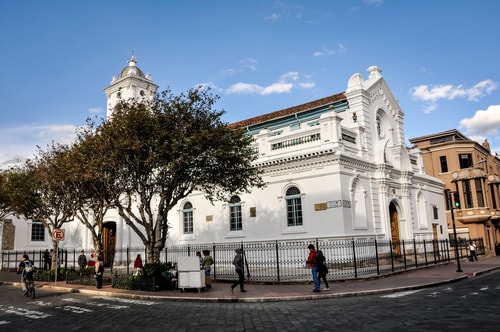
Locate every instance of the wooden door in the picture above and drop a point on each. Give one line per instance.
(393, 213)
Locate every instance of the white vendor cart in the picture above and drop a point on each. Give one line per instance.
(189, 273)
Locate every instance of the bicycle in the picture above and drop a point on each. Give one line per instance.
(30, 286)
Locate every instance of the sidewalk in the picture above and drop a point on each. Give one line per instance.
(257, 292)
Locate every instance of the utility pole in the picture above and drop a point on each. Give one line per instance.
(452, 206)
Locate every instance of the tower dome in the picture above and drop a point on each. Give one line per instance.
(131, 69)
(130, 84)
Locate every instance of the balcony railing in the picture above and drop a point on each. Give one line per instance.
(295, 141)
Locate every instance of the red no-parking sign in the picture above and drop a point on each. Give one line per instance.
(58, 234)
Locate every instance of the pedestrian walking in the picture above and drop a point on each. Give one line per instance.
(206, 264)
(99, 271)
(26, 268)
(238, 265)
(46, 260)
(138, 264)
(82, 260)
(322, 272)
(311, 263)
(472, 249)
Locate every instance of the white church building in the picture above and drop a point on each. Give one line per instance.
(337, 167)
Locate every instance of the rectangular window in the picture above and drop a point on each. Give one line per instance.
(444, 164)
(469, 204)
(479, 192)
(188, 221)
(235, 222)
(37, 232)
(294, 211)
(493, 196)
(465, 160)
(435, 212)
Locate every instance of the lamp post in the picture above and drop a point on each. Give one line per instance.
(451, 205)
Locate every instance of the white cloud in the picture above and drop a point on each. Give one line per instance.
(20, 143)
(96, 110)
(208, 85)
(228, 72)
(430, 107)
(249, 64)
(373, 2)
(483, 122)
(244, 88)
(326, 52)
(277, 88)
(245, 64)
(272, 17)
(285, 84)
(450, 92)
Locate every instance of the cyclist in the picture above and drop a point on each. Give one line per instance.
(25, 275)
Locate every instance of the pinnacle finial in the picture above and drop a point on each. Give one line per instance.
(133, 59)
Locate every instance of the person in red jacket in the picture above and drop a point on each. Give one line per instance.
(314, 269)
(138, 264)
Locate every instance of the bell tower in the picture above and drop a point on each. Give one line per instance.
(131, 83)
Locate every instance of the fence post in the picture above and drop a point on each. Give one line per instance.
(404, 254)
(392, 255)
(355, 260)
(425, 253)
(277, 261)
(415, 252)
(127, 260)
(376, 255)
(214, 260)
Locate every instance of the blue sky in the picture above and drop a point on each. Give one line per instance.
(440, 59)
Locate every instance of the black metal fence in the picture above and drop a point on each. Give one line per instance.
(282, 261)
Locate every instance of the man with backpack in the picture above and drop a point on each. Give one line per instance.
(26, 269)
(311, 263)
(322, 269)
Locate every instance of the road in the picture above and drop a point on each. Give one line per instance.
(469, 304)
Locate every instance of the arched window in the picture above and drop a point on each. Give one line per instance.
(293, 207)
(187, 218)
(358, 208)
(235, 222)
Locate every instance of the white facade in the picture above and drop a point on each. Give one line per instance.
(342, 160)
(347, 157)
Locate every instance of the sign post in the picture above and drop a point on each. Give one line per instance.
(57, 235)
(457, 255)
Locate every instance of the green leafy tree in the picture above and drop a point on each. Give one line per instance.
(5, 209)
(38, 191)
(91, 181)
(159, 152)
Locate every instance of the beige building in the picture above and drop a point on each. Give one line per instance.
(472, 183)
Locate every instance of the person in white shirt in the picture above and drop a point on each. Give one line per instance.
(472, 249)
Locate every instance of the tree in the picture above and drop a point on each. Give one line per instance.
(5, 209)
(38, 191)
(158, 152)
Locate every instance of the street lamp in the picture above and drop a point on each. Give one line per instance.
(452, 206)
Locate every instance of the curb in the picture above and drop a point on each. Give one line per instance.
(250, 299)
(231, 299)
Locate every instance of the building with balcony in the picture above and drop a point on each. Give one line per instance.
(472, 177)
(337, 167)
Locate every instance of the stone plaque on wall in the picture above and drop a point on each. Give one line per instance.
(8, 235)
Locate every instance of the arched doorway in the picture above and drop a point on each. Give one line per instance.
(393, 215)
(109, 243)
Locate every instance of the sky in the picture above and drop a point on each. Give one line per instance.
(439, 58)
